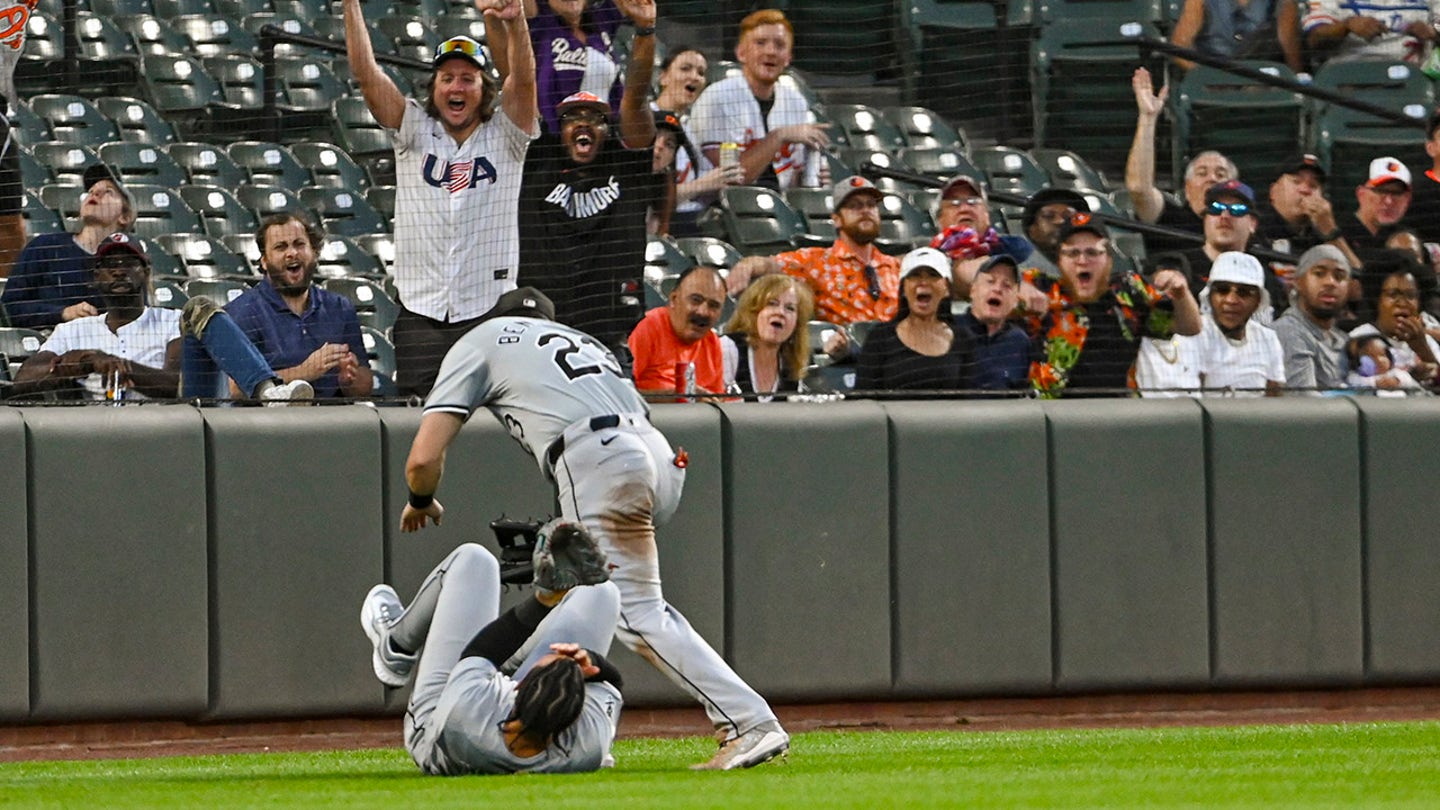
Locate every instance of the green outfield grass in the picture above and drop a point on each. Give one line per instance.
(1380, 764)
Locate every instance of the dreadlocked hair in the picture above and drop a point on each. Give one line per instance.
(550, 698)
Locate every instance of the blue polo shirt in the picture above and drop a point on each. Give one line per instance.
(286, 339)
(1002, 361)
(51, 274)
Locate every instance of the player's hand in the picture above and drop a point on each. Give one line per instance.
(1147, 100)
(579, 655)
(413, 520)
(84, 309)
(500, 9)
(639, 12)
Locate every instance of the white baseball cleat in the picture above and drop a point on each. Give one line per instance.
(380, 610)
(760, 744)
(295, 392)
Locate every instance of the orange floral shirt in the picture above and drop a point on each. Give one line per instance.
(837, 277)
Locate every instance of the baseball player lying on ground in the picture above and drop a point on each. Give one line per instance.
(561, 394)
(529, 690)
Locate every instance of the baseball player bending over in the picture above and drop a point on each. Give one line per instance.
(562, 395)
(527, 691)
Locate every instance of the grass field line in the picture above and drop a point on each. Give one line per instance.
(1327, 765)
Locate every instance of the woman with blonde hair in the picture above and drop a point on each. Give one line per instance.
(766, 344)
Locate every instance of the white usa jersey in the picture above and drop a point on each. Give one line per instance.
(457, 243)
(727, 112)
(536, 376)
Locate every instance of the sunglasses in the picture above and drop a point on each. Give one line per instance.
(461, 45)
(1224, 288)
(1217, 208)
(872, 278)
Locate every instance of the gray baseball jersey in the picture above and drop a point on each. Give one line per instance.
(483, 698)
(538, 377)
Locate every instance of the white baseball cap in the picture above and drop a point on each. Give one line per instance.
(925, 257)
(1387, 169)
(1237, 268)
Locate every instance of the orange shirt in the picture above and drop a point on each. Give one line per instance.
(837, 277)
(657, 349)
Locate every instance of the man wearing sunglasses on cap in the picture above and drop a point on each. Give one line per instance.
(458, 168)
(1230, 223)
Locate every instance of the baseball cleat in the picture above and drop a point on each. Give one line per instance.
(566, 556)
(380, 610)
(759, 744)
(295, 392)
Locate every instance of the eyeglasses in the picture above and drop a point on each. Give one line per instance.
(1400, 295)
(1224, 288)
(873, 279)
(1088, 253)
(1217, 208)
(957, 202)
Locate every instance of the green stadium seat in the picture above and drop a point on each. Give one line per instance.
(329, 165)
(38, 218)
(74, 119)
(965, 60)
(758, 221)
(159, 209)
(108, 56)
(343, 256)
(264, 199)
(269, 163)
(67, 161)
(343, 211)
(142, 163)
(372, 303)
(380, 246)
(40, 69)
(709, 250)
(815, 205)
(845, 37)
(137, 120)
(208, 164)
(903, 227)
(27, 127)
(238, 9)
(182, 90)
(115, 8)
(1009, 170)
(1067, 169)
(242, 80)
(865, 127)
(205, 256)
(33, 173)
(220, 211)
(925, 129)
(939, 163)
(169, 9)
(664, 258)
(382, 198)
(153, 35)
(63, 199)
(220, 290)
(167, 293)
(1255, 125)
(381, 353)
(216, 34)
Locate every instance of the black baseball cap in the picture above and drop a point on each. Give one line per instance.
(665, 119)
(1050, 196)
(1084, 221)
(96, 172)
(524, 298)
(1304, 162)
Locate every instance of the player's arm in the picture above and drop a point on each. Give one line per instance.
(384, 99)
(425, 466)
(637, 124)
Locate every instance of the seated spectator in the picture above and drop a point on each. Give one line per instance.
(1003, 352)
(1399, 324)
(669, 143)
(302, 331)
(766, 345)
(852, 280)
(1151, 205)
(51, 281)
(1300, 216)
(1236, 352)
(213, 345)
(1314, 348)
(131, 351)
(780, 144)
(918, 350)
(1383, 199)
(697, 181)
(1372, 368)
(968, 238)
(1089, 336)
(1046, 213)
(1341, 31)
(1230, 220)
(682, 333)
(1237, 29)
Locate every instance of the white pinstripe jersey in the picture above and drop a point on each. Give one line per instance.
(727, 112)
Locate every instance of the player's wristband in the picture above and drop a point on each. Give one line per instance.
(420, 501)
(648, 31)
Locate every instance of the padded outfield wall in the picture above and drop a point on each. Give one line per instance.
(161, 561)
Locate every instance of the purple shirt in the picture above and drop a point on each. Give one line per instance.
(561, 60)
(286, 339)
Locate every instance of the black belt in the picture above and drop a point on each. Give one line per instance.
(557, 447)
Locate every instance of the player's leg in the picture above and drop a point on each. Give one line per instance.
(618, 507)
(455, 601)
(586, 616)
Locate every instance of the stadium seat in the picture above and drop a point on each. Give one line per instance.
(864, 127)
(263, 200)
(221, 290)
(307, 86)
(380, 246)
(221, 213)
(243, 244)
(19, 344)
(182, 90)
(159, 209)
(758, 221)
(1255, 125)
(854, 161)
(342, 256)
(1080, 83)
(238, 9)
(33, 173)
(39, 218)
(142, 163)
(290, 24)
(845, 37)
(382, 198)
(40, 69)
(307, 10)
(169, 9)
(27, 127)
(709, 250)
(167, 293)
(1009, 170)
(903, 227)
(381, 353)
(664, 258)
(115, 8)
(1347, 139)
(66, 161)
(455, 26)
(242, 80)
(357, 132)
(412, 36)
(343, 211)
(269, 163)
(926, 129)
(137, 121)
(108, 58)
(1068, 170)
(204, 256)
(208, 164)
(216, 34)
(965, 60)
(374, 306)
(939, 163)
(153, 35)
(815, 204)
(63, 199)
(74, 119)
(329, 165)
(1150, 11)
